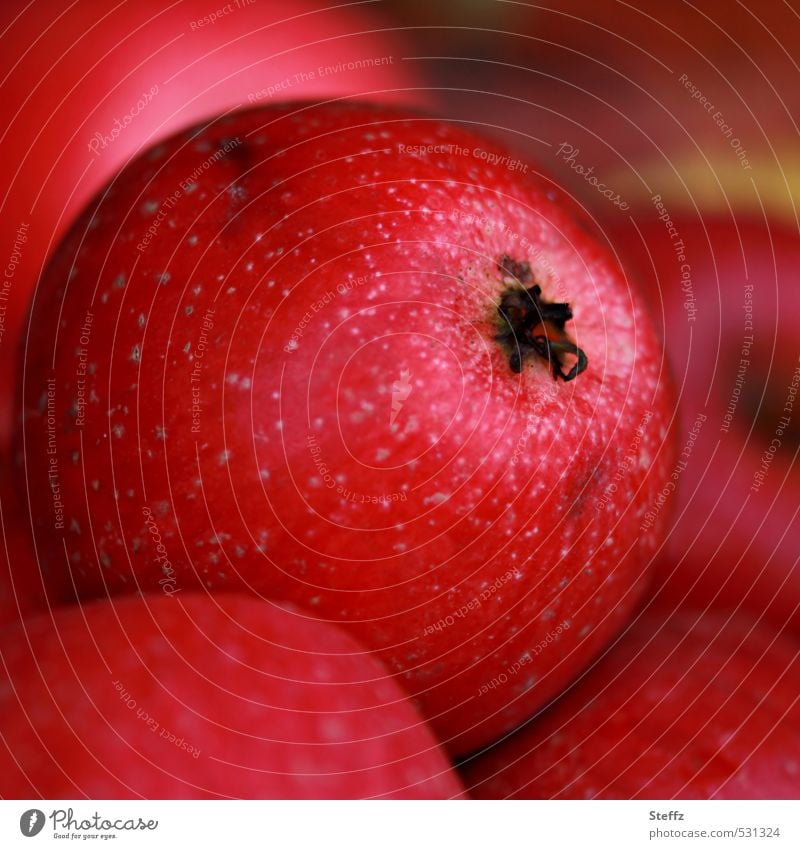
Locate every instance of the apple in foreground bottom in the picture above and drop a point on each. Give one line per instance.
(687, 707)
(194, 697)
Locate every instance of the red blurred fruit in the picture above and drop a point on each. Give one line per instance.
(689, 708)
(634, 36)
(291, 371)
(16, 595)
(86, 87)
(635, 138)
(691, 99)
(193, 697)
(21, 587)
(727, 294)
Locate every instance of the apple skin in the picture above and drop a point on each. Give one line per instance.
(70, 73)
(262, 702)
(689, 707)
(733, 538)
(320, 263)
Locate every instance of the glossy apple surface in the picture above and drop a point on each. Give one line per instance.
(194, 697)
(688, 708)
(273, 344)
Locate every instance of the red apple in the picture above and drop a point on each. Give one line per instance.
(727, 297)
(303, 348)
(687, 708)
(88, 85)
(194, 697)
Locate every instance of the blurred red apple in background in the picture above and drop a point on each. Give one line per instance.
(306, 347)
(634, 138)
(635, 35)
(727, 294)
(692, 98)
(689, 708)
(193, 697)
(87, 86)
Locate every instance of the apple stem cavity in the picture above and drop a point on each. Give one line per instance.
(532, 324)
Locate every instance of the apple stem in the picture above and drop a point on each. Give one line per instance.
(532, 324)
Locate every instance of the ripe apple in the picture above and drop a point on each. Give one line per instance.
(726, 294)
(691, 707)
(199, 697)
(87, 86)
(358, 360)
